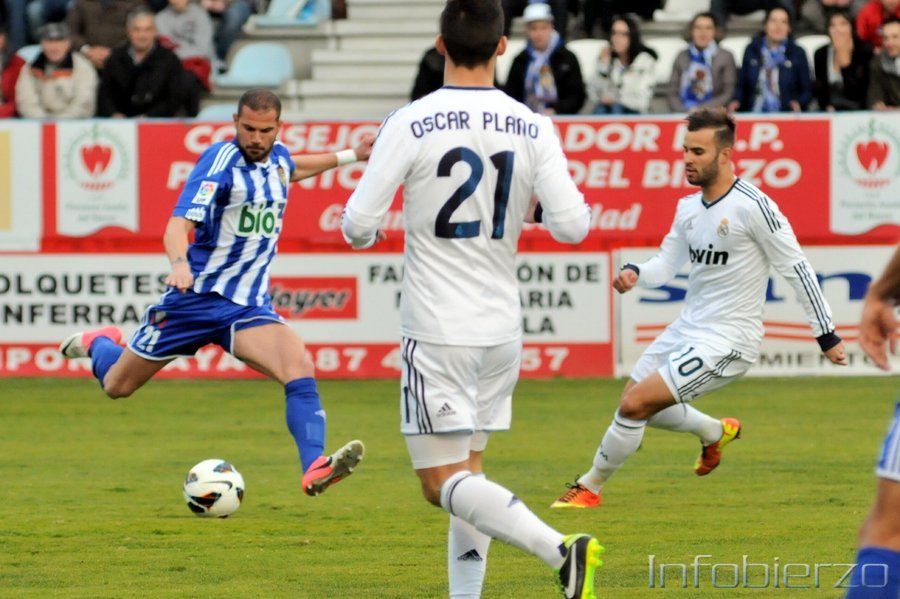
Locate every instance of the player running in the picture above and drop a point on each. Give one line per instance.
(469, 158)
(731, 233)
(234, 203)
(877, 572)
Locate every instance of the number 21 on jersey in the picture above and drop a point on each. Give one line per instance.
(503, 162)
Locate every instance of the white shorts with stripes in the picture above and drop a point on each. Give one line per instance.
(690, 368)
(889, 463)
(451, 388)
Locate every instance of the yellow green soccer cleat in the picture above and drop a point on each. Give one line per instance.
(576, 577)
(577, 497)
(710, 455)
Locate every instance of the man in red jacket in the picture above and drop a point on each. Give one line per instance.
(10, 65)
(871, 18)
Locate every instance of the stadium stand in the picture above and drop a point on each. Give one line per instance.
(261, 64)
(294, 13)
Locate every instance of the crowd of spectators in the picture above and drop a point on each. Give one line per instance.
(114, 57)
(857, 69)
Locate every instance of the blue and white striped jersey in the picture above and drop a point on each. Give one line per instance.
(238, 208)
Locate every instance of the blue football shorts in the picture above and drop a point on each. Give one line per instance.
(889, 463)
(182, 323)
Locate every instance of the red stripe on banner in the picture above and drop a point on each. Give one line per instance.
(334, 361)
(48, 166)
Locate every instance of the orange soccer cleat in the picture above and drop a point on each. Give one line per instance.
(710, 455)
(578, 497)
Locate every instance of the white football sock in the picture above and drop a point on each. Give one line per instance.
(467, 551)
(622, 439)
(498, 513)
(687, 419)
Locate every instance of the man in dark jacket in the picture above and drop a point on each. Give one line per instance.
(545, 76)
(430, 76)
(884, 79)
(142, 78)
(98, 26)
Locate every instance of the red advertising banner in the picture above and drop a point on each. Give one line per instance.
(631, 172)
(333, 361)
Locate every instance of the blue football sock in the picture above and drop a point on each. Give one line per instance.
(104, 353)
(305, 419)
(877, 574)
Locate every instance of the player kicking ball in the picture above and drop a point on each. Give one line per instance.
(234, 203)
(731, 233)
(469, 158)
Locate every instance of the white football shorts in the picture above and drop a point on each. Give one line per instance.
(690, 368)
(451, 388)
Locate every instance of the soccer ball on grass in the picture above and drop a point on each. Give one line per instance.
(214, 488)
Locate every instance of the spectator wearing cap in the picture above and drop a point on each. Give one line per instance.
(514, 8)
(545, 75)
(704, 74)
(59, 83)
(97, 26)
(188, 30)
(10, 67)
(884, 70)
(142, 77)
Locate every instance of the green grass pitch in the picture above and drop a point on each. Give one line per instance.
(91, 502)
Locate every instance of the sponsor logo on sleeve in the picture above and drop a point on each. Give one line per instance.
(206, 193)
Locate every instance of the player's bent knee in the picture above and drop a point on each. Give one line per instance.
(631, 406)
(431, 490)
(116, 388)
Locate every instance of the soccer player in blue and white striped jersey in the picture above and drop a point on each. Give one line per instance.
(877, 572)
(234, 202)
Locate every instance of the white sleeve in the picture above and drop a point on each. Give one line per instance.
(673, 253)
(391, 157)
(775, 236)
(565, 214)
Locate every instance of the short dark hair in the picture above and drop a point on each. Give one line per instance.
(714, 118)
(137, 13)
(260, 99)
(718, 35)
(782, 8)
(471, 30)
(890, 21)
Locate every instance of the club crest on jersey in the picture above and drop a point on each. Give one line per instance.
(723, 228)
(708, 256)
(258, 221)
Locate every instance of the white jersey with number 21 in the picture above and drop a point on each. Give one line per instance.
(470, 160)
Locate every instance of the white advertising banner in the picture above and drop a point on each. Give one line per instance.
(345, 306)
(788, 348)
(96, 176)
(21, 195)
(865, 174)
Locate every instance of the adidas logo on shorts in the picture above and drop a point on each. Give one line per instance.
(445, 410)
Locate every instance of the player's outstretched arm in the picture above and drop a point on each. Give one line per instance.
(879, 324)
(310, 165)
(391, 157)
(662, 268)
(176, 240)
(775, 236)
